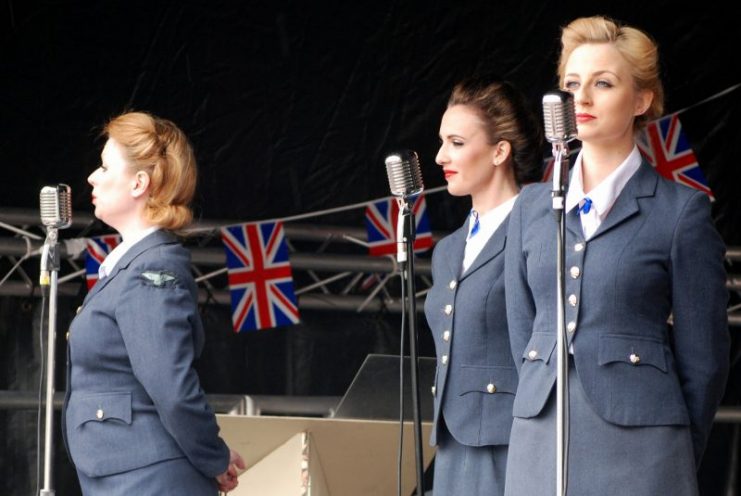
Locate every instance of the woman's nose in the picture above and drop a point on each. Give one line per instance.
(581, 95)
(441, 156)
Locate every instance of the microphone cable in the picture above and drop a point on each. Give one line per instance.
(42, 368)
(400, 456)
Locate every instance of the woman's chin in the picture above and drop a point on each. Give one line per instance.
(455, 191)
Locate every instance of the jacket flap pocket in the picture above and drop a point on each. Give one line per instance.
(483, 379)
(99, 407)
(633, 350)
(540, 347)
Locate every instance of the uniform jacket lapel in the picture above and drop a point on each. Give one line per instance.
(492, 248)
(641, 185)
(457, 247)
(156, 238)
(573, 223)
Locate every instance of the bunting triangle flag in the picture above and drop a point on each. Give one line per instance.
(260, 278)
(665, 146)
(381, 222)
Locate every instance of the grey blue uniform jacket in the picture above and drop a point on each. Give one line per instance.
(133, 397)
(656, 254)
(476, 378)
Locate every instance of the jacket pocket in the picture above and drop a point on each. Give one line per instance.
(488, 380)
(632, 350)
(99, 407)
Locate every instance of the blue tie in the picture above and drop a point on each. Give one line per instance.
(476, 225)
(587, 205)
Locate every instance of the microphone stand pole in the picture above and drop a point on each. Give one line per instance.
(560, 171)
(48, 279)
(409, 232)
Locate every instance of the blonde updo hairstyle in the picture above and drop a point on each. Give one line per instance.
(637, 47)
(159, 148)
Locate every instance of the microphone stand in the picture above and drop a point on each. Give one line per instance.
(560, 175)
(48, 278)
(407, 223)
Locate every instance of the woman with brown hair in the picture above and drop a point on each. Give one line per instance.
(489, 146)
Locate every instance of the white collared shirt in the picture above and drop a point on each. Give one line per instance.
(119, 251)
(604, 195)
(488, 223)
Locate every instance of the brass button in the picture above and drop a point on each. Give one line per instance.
(66, 336)
(634, 359)
(99, 414)
(448, 309)
(571, 326)
(453, 284)
(574, 271)
(491, 388)
(433, 389)
(578, 246)
(446, 336)
(532, 354)
(79, 309)
(444, 359)
(572, 300)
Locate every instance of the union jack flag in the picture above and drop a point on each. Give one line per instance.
(97, 249)
(381, 219)
(260, 279)
(665, 146)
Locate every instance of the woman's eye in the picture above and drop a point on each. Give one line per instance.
(570, 85)
(603, 84)
(457, 143)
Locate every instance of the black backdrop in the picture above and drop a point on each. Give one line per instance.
(291, 107)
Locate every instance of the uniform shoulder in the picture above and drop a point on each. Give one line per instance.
(678, 194)
(533, 190)
(168, 257)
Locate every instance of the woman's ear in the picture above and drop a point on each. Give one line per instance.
(140, 184)
(643, 101)
(501, 152)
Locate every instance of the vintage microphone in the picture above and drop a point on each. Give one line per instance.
(405, 181)
(56, 213)
(560, 128)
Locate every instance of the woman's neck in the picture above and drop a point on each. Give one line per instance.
(498, 192)
(133, 228)
(599, 162)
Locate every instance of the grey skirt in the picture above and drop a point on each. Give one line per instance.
(467, 470)
(604, 459)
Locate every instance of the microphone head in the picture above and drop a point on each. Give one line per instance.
(559, 116)
(405, 177)
(56, 206)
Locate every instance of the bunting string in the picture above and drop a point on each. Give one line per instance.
(257, 255)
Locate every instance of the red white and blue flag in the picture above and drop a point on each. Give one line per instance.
(665, 146)
(97, 249)
(548, 169)
(260, 279)
(381, 222)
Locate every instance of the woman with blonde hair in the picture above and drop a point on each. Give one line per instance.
(645, 309)
(135, 419)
